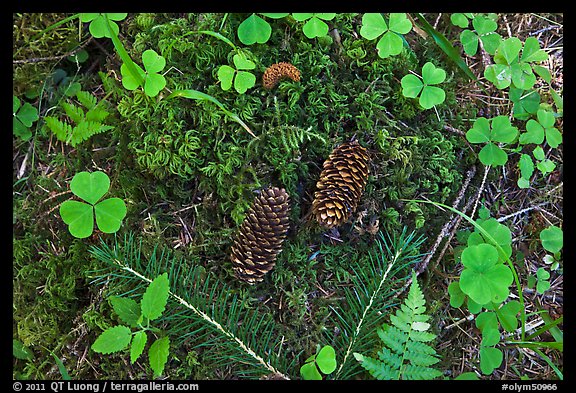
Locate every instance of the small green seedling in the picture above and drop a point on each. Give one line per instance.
(24, 116)
(512, 69)
(542, 283)
(315, 25)
(98, 27)
(243, 80)
(412, 86)
(79, 216)
(324, 359)
(543, 128)
(485, 31)
(254, 29)
(153, 82)
(496, 130)
(137, 318)
(544, 165)
(391, 42)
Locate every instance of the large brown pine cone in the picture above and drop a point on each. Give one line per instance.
(259, 240)
(342, 181)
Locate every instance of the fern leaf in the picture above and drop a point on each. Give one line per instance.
(60, 129)
(87, 99)
(406, 354)
(97, 114)
(376, 368)
(73, 112)
(371, 293)
(85, 129)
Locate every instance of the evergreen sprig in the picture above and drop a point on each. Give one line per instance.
(201, 312)
(370, 295)
(406, 353)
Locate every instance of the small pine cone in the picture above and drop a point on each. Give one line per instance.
(277, 71)
(342, 181)
(259, 240)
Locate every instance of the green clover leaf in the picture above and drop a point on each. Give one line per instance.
(153, 82)
(391, 42)
(490, 359)
(525, 103)
(456, 295)
(461, 19)
(79, 216)
(254, 29)
(98, 27)
(498, 129)
(536, 131)
(543, 284)
(484, 279)
(507, 315)
(511, 68)
(315, 25)
(24, 116)
(242, 80)
(90, 186)
(485, 31)
(552, 239)
(326, 359)
(429, 95)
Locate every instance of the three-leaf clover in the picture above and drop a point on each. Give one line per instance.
(391, 42)
(315, 25)
(324, 359)
(484, 279)
(412, 86)
(138, 315)
(254, 29)
(499, 130)
(511, 68)
(79, 216)
(24, 116)
(485, 31)
(98, 27)
(153, 82)
(243, 80)
(536, 131)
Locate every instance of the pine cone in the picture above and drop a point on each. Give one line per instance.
(259, 240)
(342, 181)
(277, 71)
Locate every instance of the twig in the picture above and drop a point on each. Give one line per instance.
(454, 130)
(522, 211)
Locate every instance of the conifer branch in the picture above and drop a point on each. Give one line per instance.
(207, 318)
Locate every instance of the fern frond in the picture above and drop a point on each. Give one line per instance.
(87, 99)
(201, 313)
(73, 112)
(60, 129)
(370, 295)
(405, 354)
(85, 129)
(97, 114)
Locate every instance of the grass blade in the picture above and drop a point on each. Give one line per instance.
(446, 46)
(198, 95)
